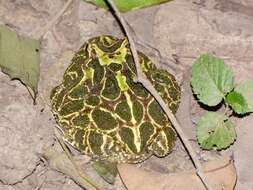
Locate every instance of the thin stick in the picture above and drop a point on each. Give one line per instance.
(44, 30)
(146, 83)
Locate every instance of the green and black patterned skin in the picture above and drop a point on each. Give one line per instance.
(107, 116)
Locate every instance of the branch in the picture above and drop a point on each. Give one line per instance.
(50, 24)
(147, 84)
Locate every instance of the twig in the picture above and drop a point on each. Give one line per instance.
(41, 184)
(146, 83)
(44, 30)
(184, 111)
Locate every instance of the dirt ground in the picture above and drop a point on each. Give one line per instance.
(185, 28)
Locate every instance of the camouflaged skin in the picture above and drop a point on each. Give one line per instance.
(104, 113)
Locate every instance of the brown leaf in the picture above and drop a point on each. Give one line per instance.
(220, 172)
(59, 161)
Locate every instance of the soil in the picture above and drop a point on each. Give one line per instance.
(182, 28)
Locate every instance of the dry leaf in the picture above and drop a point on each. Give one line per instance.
(19, 57)
(220, 172)
(59, 161)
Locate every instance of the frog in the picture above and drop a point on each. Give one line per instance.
(104, 113)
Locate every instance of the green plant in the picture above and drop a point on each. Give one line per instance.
(213, 84)
(127, 5)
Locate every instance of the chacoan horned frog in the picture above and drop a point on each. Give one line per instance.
(103, 113)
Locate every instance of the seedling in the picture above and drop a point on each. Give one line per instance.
(213, 84)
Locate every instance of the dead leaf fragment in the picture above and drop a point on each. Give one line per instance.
(19, 57)
(59, 161)
(219, 172)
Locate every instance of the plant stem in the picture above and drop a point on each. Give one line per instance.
(228, 111)
(147, 84)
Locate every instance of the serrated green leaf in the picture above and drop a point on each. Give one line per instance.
(211, 79)
(246, 90)
(237, 102)
(19, 57)
(127, 5)
(215, 131)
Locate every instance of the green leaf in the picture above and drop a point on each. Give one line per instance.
(237, 102)
(246, 90)
(19, 57)
(211, 79)
(127, 5)
(215, 131)
(107, 170)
